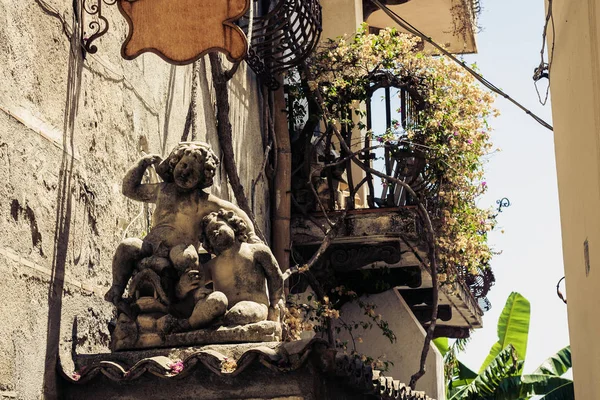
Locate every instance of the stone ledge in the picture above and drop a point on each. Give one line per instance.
(264, 331)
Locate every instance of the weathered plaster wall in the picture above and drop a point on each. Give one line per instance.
(62, 158)
(405, 353)
(575, 87)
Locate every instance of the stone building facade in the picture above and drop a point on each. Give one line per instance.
(70, 125)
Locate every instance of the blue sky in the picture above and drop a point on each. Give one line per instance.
(524, 171)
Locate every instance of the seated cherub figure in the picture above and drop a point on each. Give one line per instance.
(181, 204)
(247, 281)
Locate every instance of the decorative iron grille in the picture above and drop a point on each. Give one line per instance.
(480, 285)
(283, 38)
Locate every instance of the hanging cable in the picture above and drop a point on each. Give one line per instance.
(250, 23)
(411, 29)
(543, 70)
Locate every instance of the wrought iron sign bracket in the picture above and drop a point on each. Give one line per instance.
(98, 26)
(157, 26)
(279, 40)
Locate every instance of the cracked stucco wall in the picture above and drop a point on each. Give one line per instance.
(61, 210)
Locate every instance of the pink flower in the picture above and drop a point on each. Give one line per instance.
(484, 184)
(176, 367)
(469, 141)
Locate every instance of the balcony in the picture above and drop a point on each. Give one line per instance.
(381, 248)
(381, 244)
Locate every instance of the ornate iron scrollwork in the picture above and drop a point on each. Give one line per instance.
(258, 66)
(502, 203)
(283, 38)
(98, 26)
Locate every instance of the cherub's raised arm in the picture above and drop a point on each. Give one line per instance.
(132, 182)
(273, 274)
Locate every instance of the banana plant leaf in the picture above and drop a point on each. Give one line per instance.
(545, 380)
(506, 364)
(523, 387)
(556, 365)
(513, 328)
(564, 392)
(465, 373)
(463, 376)
(442, 345)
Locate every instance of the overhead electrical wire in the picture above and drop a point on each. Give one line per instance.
(543, 70)
(411, 29)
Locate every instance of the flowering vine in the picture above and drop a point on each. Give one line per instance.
(447, 128)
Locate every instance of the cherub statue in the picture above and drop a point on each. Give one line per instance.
(239, 273)
(181, 205)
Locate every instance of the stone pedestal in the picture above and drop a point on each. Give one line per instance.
(264, 331)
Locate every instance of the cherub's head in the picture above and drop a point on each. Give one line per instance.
(221, 229)
(190, 165)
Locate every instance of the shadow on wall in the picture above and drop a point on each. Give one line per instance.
(63, 217)
(17, 211)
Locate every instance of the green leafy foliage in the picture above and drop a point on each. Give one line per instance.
(556, 365)
(485, 385)
(442, 345)
(513, 328)
(501, 375)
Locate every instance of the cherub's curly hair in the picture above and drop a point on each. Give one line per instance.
(230, 218)
(201, 151)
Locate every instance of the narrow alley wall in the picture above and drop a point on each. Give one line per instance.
(69, 129)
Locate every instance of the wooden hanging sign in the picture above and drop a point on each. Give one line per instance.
(181, 31)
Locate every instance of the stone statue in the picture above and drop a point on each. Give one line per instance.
(238, 273)
(168, 293)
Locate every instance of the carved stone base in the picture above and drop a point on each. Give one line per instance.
(264, 331)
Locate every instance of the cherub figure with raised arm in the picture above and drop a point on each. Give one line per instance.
(181, 205)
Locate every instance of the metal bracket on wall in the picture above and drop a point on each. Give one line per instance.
(98, 26)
